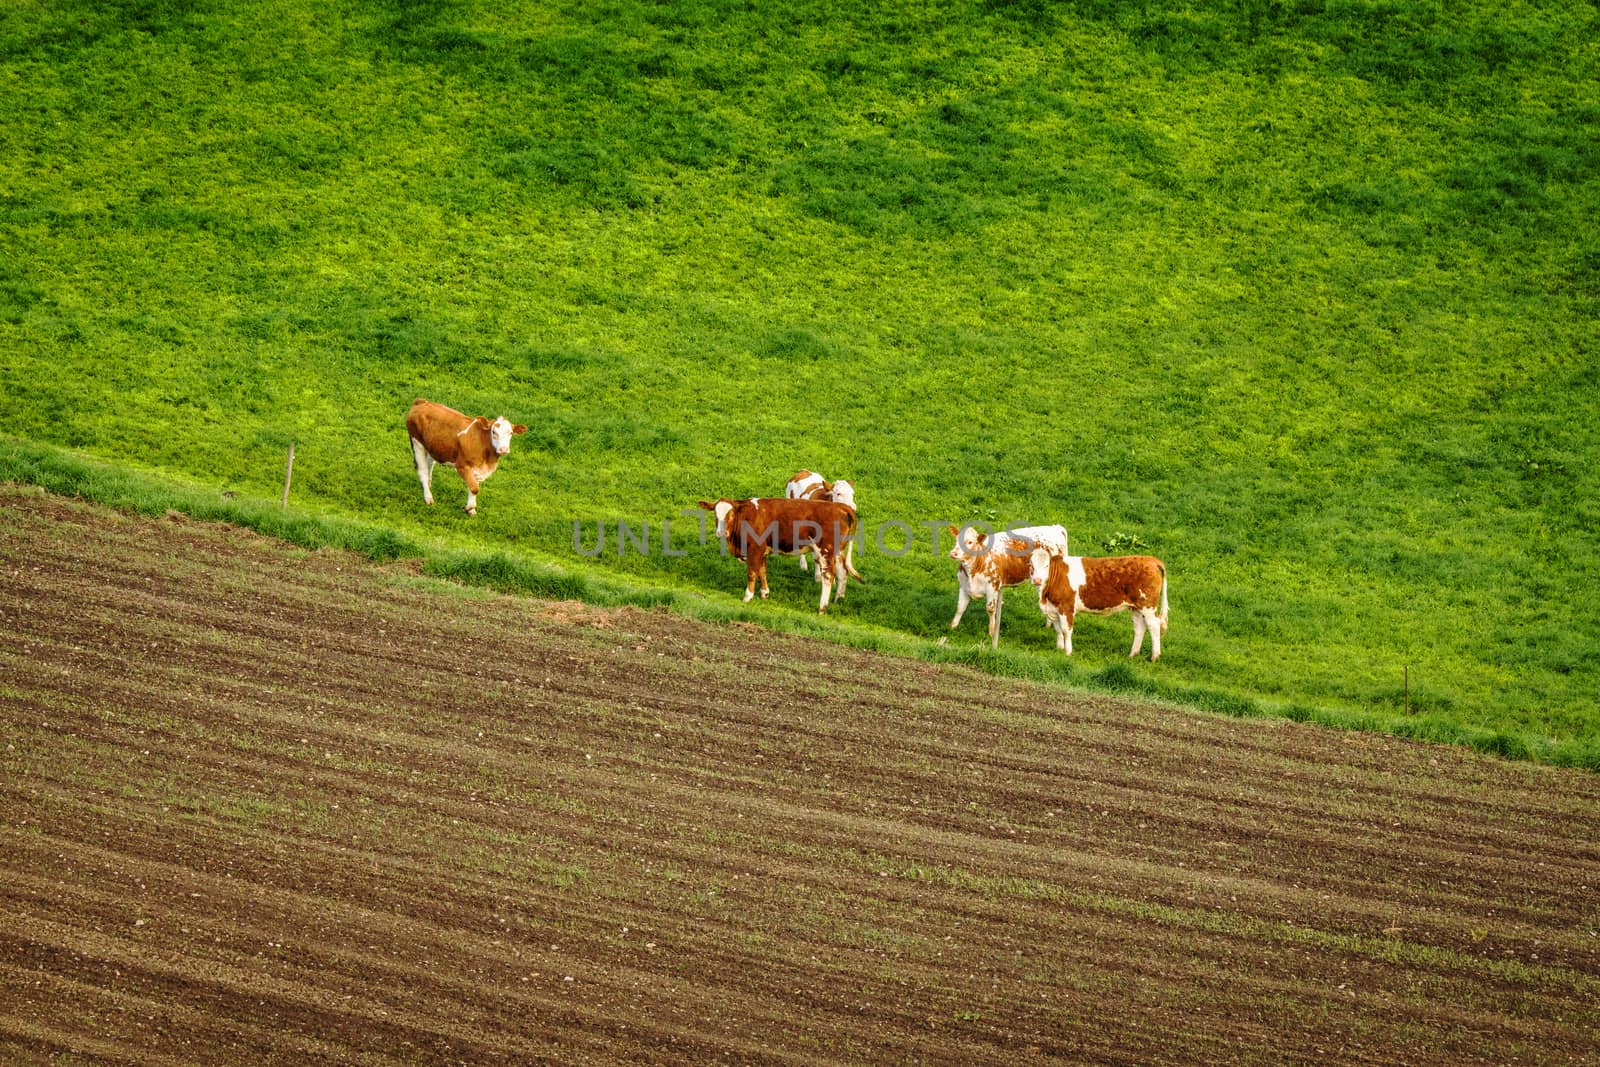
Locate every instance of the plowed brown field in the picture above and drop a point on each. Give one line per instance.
(266, 805)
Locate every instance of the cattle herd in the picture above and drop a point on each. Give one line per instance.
(817, 518)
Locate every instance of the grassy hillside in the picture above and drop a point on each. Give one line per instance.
(1301, 297)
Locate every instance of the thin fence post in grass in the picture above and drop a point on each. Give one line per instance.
(288, 475)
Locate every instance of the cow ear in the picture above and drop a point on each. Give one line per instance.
(954, 532)
(481, 421)
(519, 428)
(708, 507)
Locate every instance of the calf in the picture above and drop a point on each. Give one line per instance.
(473, 445)
(990, 562)
(808, 485)
(753, 528)
(1070, 584)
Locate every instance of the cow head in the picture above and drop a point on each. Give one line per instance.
(842, 492)
(721, 509)
(970, 544)
(1039, 565)
(500, 431)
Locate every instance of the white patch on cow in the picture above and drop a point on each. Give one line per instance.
(1047, 536)
(425, 464)
(844, 493)
(723, 509)
(1039, 566)
(1076, 578)
(798, 487)
(963, 597)
(979, 585)
(1039, 574)
(500, 435)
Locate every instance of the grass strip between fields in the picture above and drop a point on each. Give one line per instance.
(520, 572)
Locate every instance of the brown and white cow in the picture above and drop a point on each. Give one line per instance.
(1104, 586)
(754, 529)
(472, 445)
(808, 485)
(991, 562)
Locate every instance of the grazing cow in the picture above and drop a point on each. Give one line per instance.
(473, 445)
(1070, 584)
(989, 563)
(754, 528)
(808, 485)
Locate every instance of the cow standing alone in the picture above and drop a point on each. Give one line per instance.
(1070, 584)
(472, 445)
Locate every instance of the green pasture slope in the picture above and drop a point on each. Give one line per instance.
(1300, 296)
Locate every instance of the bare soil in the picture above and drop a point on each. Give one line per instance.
(263, 805)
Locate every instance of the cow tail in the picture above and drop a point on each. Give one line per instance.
(849, 550)
(1163, 568)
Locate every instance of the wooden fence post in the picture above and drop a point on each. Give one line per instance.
(288, 475)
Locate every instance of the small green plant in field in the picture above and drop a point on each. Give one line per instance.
(1124, 544)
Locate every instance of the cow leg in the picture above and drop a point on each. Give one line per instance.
(993, 603)
(963, 598)
(1054, 622)
(419, 452)
(1140, 623)
(755, 566)
(838, 572)
(802, 561)
(1153, 622)
(1063, 624)
(472, 490)
(850, 560)
(759, 555)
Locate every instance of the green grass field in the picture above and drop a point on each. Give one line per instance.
(1299, 296)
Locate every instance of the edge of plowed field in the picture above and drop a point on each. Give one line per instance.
(517, 570)
(280, 805)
